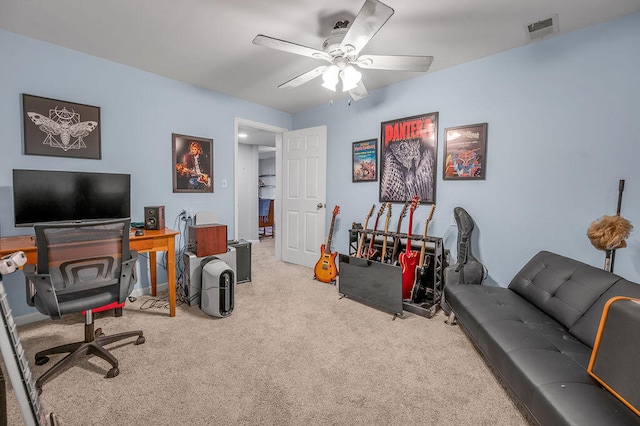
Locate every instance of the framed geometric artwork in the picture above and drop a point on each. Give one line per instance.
(408, 148)
(192, 163)
(465, 152)
(364, 155)
(60, 128)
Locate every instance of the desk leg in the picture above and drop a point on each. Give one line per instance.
(171, 276)
(152, 271)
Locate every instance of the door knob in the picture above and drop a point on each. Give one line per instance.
(320, 205)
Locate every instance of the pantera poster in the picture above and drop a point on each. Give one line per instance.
(408, 158)
(465, 151)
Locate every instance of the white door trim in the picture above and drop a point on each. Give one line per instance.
(238, 122)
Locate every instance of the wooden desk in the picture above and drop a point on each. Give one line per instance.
(151, 242)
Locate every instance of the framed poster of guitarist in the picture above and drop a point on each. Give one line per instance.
(192, 163)
(408, 150)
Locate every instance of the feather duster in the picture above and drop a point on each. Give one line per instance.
(609, 232)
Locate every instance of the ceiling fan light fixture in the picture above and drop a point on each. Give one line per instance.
(350, 78)
(330, 78)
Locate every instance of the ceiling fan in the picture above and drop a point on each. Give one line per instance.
(342, 51)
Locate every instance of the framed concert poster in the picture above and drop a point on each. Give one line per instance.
(192, 163)
(408, 148)
(465, 152)
(60, 128)
(365, 161)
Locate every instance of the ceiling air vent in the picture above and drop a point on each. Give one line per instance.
(542, 29)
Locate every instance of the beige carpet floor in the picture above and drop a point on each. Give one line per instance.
(292, 353)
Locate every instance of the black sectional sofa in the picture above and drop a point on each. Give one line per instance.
(538, 334)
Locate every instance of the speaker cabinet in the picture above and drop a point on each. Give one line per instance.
(207, 240)
(243, 260)
(154, 217)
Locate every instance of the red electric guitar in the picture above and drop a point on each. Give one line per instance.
(396, 239)
(409, 259)
(325, 269)
(372, 253)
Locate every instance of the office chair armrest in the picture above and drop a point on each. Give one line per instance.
(128, 273)
(30, 288)
(45, 293)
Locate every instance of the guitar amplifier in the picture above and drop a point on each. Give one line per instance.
(614, 359)
(243, 260)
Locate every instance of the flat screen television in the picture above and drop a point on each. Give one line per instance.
(60, 196)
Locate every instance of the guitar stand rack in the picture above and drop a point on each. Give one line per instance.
(425, 302)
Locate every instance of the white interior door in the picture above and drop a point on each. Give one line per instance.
(304, 178)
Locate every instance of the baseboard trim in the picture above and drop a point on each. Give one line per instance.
(137, 292)
(30, 318)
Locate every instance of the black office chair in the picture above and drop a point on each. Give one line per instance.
(80, 267)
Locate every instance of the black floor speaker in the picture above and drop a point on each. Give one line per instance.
(243, 260)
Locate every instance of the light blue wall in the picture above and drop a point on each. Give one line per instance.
(563, 129)
(139, 111)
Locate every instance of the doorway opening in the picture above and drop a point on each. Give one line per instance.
(257, 180)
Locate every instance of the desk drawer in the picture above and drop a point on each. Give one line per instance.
(141, 244)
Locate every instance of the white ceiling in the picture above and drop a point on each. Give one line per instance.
(209, 42)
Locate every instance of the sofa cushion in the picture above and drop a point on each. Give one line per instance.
(561, 287)
(542, 363)
(579, 404)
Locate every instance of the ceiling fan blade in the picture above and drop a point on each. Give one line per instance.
(359, 92)
(287, 46)
(369, 20)
(395, 63)
(303, 78)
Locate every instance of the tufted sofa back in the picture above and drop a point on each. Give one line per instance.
(563, 288)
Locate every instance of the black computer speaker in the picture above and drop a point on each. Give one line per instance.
(154, 217)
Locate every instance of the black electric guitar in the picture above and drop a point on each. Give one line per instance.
(18, 369)
(364, 232)
(424, 271)
(396, 239)
(371, 252)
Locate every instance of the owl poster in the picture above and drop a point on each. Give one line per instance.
(408, 159)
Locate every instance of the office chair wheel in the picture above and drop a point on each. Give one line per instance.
(140, 340)
(42, 360)
(113, 372)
